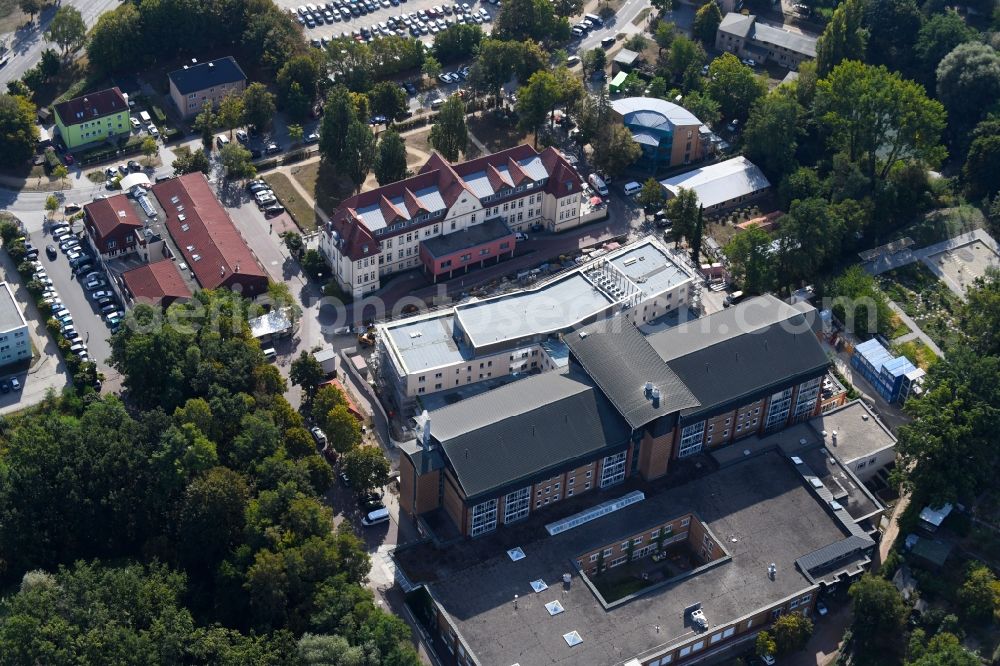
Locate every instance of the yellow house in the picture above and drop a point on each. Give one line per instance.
(93, 117)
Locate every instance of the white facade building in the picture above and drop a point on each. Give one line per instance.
(15, 343)
(450, 218)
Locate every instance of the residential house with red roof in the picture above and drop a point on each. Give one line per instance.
(450, 217)
(158, 283)
(212, 246)
(93, 117)
(113, 225)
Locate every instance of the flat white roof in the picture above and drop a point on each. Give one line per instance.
(275, 321)
(720, 182)
(11, 316)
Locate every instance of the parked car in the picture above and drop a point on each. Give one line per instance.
(73, 254)
(264, 203)
(318, 435)
(98, 295)
(15, 383)
(272, 148)
(821, 608)
(153, 132)
(312, 137)
(273, 210)
(69, 244)
(520, 237)
(94, 283)
(5, 386)
(50, 250)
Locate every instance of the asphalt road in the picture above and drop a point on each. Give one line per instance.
(28, 43)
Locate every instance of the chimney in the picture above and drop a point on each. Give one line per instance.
(194, 61)
(185, 66)
(211, 64)
(425, 435)
(649, 389)
(772, 570)
(834, 435)
(656, 397)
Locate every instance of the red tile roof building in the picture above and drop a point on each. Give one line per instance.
(382, 231)
(112, 224)
(158, 283)
(212, 246)
(91, 106)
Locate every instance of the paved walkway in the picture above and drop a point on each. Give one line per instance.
(915, 329)
(884, 264)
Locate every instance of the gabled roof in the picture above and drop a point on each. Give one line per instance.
(156, 281)
(360, 220)
(91, 106)
(193, 78)
(737, 24)
(205, 234)
(620, 361)
(720, 182)
(518, 431)
(112, 214)
(732, 355)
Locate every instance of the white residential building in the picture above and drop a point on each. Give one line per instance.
(451, 218)
(15, 343)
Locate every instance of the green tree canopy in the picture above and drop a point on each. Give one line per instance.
(258, 106)
(879, 611)
(770, 137)
(968, 83)
(449, 134)
(366, 467)
(338, 114)
(67, 29)
(706, 22)
(843, 38)
(390, 158)
(859, 303)
(237, 161)
(457, 42)
(306, 372)
(18, 130)
(734, 86)
(750, 260)
(359, 153)
(388, 99)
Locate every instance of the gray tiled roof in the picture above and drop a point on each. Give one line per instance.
(206, 75)
(621, 361)
(837, 551)
(520, 430)
(729, 356)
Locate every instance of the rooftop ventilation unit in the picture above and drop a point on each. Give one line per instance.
(539, 585)
(515, 554)
(554, 607)
(572, 638)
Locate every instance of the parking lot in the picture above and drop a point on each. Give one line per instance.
(366, 20)
(87, 317)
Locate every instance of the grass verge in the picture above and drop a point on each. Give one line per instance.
(294, 203)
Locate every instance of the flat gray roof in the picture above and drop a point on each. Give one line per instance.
(551, 307)
(477, 234)
(425, 343)
(859, 433)
(774, 519)
(10, 312)
(650, 268)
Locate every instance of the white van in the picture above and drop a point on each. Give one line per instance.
(632, 188)
(222, 141)
(270, 354)
(598, 184)
(144, 115)
(375, 517)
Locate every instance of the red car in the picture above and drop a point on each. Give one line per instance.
(68, 159)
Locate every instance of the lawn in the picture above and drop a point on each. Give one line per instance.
(297, 207)
(940, 225)
(615, 589)
(929, 302)
(496, 132)
(918, 353)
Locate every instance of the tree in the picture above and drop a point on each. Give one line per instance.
(338, 114)
(206, 122)
(944, 649)
(968, 82)
(359, 153)
(366, 468)
(30, 7)
(388, 99)
(306, 372)
(702, 106)
(696, 236)
(769, 137)
(457, 42)
(258, 106)
(535, 101)
(936, 39)
(230, 113)
(682, 210)
(211, 518)
(237, 161)
(293, 241)
(665, 34)
(449, 134)
(765, 645)
(879, 611)
(616, 150)
(519, 20)
(636, 43)
(342, 429)
(295, 134)
(684, 61)
(843, 37)
(859, 304)
(49, 64)
(982, 164)
(651, 196)
(750, 260)
(150, 148)
(734, 86)
(390, 158)
(18, 131)
(431, 67)
(706, 22)
(113, 45)
(51, 204)
(791, 633)
(60, 173)
(594, 60)
(297, 83)
(979, 596)
(892, 27)
(67, 29)
(878, 118)
(188, 162)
